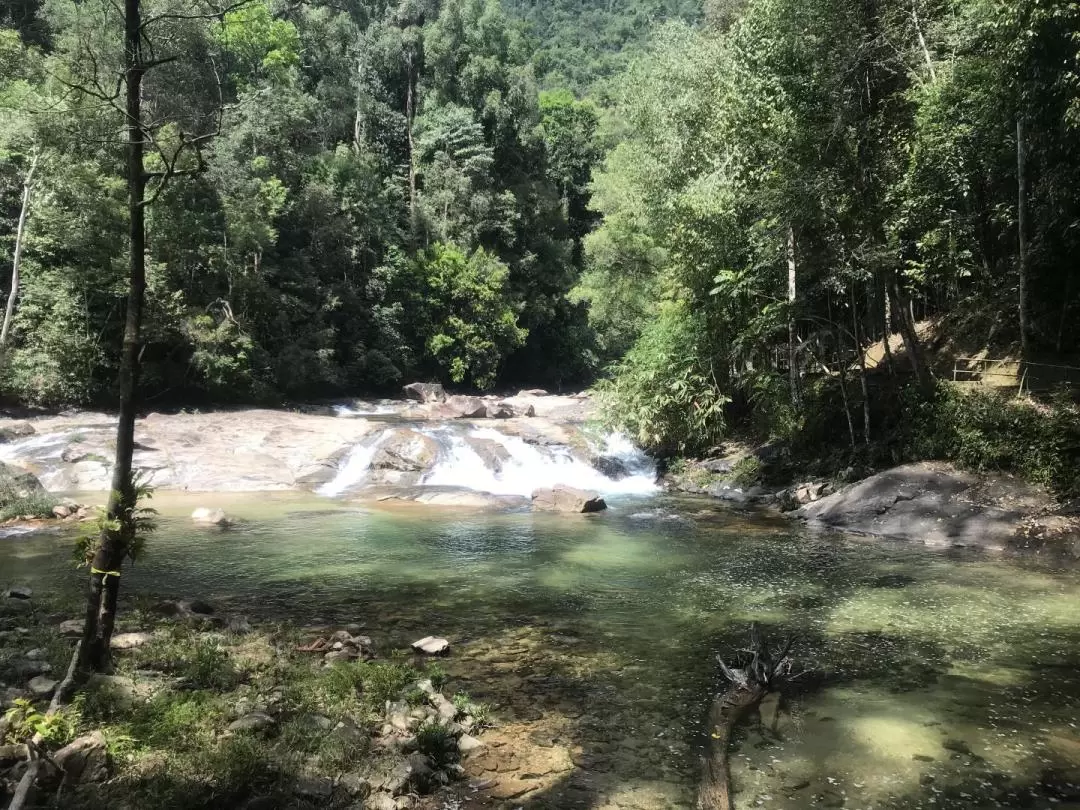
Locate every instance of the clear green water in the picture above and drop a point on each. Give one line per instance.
(935, 679)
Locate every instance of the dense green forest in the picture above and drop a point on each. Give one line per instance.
(713, 211)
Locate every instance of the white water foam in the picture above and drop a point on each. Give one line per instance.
(381, 407)
(356, 466)
(529, 467)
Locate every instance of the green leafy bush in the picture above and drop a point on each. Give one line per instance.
(463, 313)
(984, 430)
(664, 392)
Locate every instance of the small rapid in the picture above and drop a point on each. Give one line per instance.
(484, 459)
(521, 467)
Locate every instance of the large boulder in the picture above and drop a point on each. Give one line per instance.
(492, 453)
(567, 499)
(459, 407)
(424, 392)
(403, 454)
(931, 502)
(84, 760)
(16, 483)
(13, 431)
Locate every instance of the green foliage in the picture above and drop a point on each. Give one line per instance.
(134, 522)
(480, 712)
(24, 721)
(436, 741)
(34, 504)
(664, 392)
(464, 314)
(985, 430)
(437, 674)
(748, 471)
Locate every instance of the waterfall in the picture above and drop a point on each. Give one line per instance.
(487, 460)
(527, 467)
(355, 467)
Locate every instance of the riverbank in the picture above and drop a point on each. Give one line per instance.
(934, 503)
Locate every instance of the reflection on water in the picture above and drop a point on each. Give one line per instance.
(935, 679)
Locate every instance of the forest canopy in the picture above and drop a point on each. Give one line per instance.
(716, 211)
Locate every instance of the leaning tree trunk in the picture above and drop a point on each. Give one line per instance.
(109, 556)
(906, 323)
(20, 241)
(764, 673)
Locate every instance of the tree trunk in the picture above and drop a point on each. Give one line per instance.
(793, 374)
(887, 327)
(410, 104)
(108, 559)
(1022, 227)
(901, 311)
(20, 241)
(861, 352)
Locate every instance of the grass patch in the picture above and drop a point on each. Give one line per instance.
(437, 742)
(34, 504)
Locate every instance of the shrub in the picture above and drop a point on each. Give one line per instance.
(664, 392)
(437, 742)
(984, 430)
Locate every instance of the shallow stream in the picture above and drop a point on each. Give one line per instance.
(936, 679)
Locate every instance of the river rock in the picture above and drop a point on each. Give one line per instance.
(567, 499)
(492, 453)
(316, 788)
(502, 410)
(19, 483)
(459, 407)
(403, 451)
(84, 760)
(209, 517)
(42, 686)
(129, 641)
(424, 392)
(467, 743)
(71, 628)
(12, 431)
(532, 392)
(19, 592)
(253, 721)
(60, 512)
(431, 645)
(611, 467)
(930, 502)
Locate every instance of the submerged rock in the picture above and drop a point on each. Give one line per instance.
(568, 499)
(210, 517)
(19, 592)
(431, 645)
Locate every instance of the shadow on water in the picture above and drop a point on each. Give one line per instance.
(949, 677)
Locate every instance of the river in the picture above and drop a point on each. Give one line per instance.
(943, 679)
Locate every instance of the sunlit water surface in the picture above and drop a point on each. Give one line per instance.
(934, 679)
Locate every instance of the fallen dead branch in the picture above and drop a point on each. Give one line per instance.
(763, 671)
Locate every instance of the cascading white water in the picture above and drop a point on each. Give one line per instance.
(487, 460)
(356, 466)
(527, 467)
